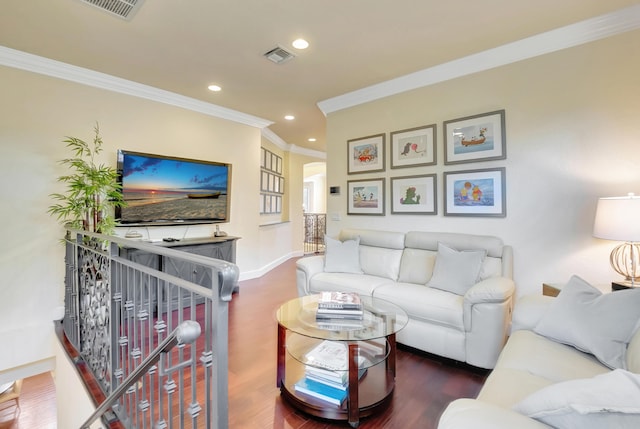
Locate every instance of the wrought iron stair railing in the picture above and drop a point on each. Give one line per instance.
(315, 227)
(186, 333)
(119, 314)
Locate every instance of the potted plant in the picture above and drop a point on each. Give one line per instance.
(92, 189)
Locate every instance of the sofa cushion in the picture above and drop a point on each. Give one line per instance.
(610, 400)
(529, 362)
(550, 359)
(429, 241)
(491, 267)
(346, 282)
(602, 325)
(633, 353)
(342, 256)
(380, 261)
(416, 266)
(424, 303)
(456, 271)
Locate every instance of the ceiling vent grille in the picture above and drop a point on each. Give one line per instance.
(124, 9)
(279, 55)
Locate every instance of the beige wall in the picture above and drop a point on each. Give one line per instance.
(572, 134)
(36, 112)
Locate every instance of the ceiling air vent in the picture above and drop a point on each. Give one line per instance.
(124, 9)
(279, 55)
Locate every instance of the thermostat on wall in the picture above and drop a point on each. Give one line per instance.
(334, 190)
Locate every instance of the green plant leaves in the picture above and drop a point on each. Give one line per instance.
(92, 190)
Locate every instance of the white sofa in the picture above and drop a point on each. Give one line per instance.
(541, 381)
(469, 326)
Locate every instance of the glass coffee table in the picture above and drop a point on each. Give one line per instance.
(370, 352)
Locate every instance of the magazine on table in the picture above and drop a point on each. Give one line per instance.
(340, 300)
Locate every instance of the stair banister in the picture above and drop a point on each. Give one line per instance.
(187, 332)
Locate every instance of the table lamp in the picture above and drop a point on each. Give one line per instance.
(618, 219)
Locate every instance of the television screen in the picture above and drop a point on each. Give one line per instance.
(165, 189)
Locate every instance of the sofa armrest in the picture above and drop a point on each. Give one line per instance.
(493, 289)
(471, 413)
(487, 309)
(306, 268)
(528, 311)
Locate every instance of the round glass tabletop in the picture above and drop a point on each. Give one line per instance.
(380, 319)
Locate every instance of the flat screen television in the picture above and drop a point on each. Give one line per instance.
(162, 189)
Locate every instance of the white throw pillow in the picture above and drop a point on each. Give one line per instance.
(456, 271)
(342, 257)
(610, 400)
(596, 323)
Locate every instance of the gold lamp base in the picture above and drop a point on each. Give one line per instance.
(625, 260)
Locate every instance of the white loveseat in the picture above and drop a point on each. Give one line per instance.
(543, 380)
(467, 323)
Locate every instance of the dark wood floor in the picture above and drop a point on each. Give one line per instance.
(37, 405)
(424, 384)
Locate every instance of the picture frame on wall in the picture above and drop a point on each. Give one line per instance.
(414, 195)
(366, 154)
(475, 193)
(413, 147)
(365, 197)
(475, 138)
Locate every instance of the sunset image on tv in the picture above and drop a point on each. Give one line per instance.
(158, 189)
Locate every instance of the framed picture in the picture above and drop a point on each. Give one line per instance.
(414, 195)
(475, 193)
(365, 197)
(366, 154)
(413, 147)
(475, 138)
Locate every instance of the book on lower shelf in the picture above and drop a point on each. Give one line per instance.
(327, 372)
(321, 391)
(337, 379)
(331, 355)
(329, 360)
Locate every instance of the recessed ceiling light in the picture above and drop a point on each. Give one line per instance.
(300, 44)
(312, 139)
(214, 88)
(289, 117)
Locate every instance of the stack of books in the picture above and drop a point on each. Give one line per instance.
(327, 377)
(343, 309)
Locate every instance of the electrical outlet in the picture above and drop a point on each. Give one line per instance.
(335, 216)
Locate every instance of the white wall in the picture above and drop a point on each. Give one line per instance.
(572, 134)
(76, 406)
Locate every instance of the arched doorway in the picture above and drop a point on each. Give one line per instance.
(314, 206)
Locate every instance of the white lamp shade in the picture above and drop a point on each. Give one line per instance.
(618, 219)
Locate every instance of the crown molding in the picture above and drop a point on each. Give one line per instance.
(275, 139)
(288, 147)
(590, 30)
(45, 66)
(308, 152)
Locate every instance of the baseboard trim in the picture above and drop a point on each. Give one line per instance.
(254, 274)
